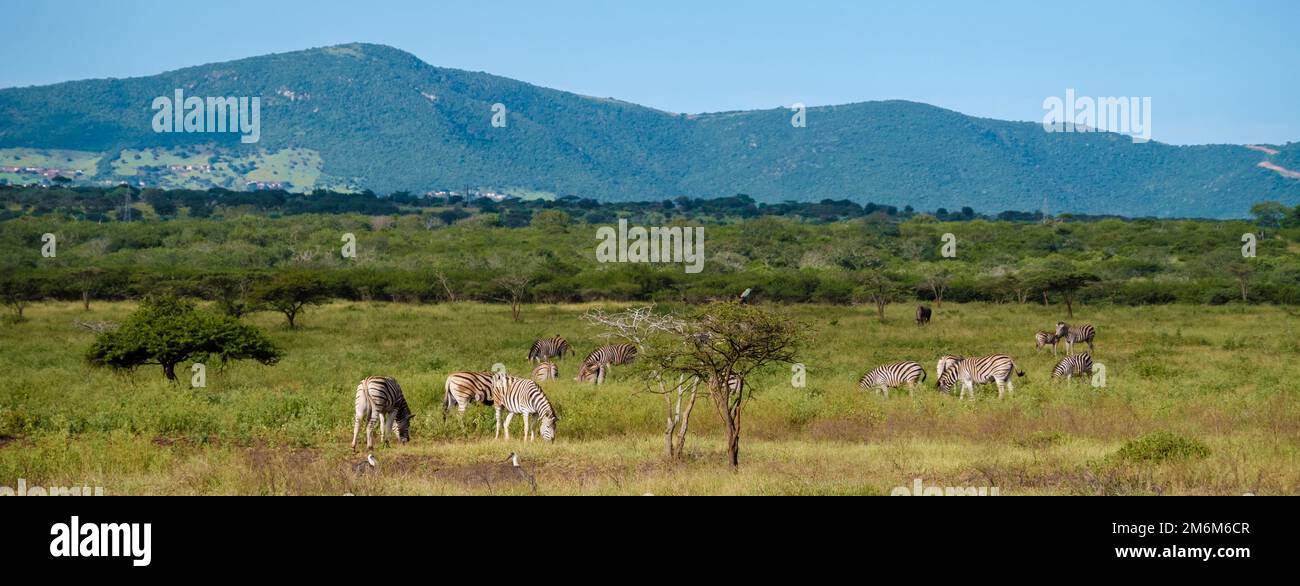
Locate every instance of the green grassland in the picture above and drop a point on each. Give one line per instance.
(1222, 376)
(301, 167)
(85, 162)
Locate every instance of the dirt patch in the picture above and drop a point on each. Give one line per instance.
(5, 440)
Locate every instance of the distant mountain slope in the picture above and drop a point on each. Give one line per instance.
(371, 116)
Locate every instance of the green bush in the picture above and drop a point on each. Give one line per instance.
(1162, 446)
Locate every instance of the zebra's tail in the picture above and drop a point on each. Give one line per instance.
(446, 399)
(922, 375)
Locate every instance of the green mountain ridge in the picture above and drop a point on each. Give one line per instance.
(374, 117)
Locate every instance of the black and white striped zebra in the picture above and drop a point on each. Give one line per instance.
(522, 396)
(1042, 338)
(1071, 334)
(379, 399)
(1073, 365)
(546, 371)
(589, 372)
(615, 354)
(944, 362)
(463, 388)
(894, 374)
(980, 370)
(548, 348)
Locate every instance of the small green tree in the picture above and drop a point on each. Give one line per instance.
(1269, 214)
(18, 290)
(292, 293)
(168, 331)
(232, 292)
(1065, 279)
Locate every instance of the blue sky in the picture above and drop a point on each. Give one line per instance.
(1217, 72)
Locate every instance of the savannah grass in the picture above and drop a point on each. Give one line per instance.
(1222, 378)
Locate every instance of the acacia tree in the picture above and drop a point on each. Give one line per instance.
(1064, 279)
(726, 339)
(650, 332)
(168, 331)
(1241, 271)
(232, 292)
(514, 283)
(292, 293)
(18, 290)
(937, 282)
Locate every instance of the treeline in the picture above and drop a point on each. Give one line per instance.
(875, 260)
(102, 204)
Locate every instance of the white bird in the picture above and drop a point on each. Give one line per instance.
(520, 472)
(370, 464)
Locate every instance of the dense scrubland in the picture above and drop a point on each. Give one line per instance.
(213, 244)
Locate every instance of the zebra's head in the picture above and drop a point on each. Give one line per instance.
(1061, 328)
(402, 425)
(548, 427)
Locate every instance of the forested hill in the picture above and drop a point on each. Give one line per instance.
(373, 117)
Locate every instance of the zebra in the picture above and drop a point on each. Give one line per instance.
(942, 365)
(894, 374)
(523, 396)
(548, 348)
(922, 315)
(1042, 338)
(1080, 364)
(380, 399)
(615, 354)
(1072, 334)
(592, 372)
(980, 370)
(463, 388)
(546, 371)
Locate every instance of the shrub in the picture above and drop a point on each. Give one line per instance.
(1162, 446)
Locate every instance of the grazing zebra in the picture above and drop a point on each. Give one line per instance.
(1072, 334)
(1042, 338)
(891, 375)
(942, 365)
(1071, 365)
(548, 348)
(615, 354)
(463, 388)
(978, 371)
(379, 398)
(922, 315)
(522, 396)
(592, 372)
(546, 371)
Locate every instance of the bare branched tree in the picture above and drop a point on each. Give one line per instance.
(724, 342)
(645, 329)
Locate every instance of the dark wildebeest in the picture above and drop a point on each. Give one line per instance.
(922, 315)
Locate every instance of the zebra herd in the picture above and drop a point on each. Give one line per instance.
(379, 398)
(952, 370)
